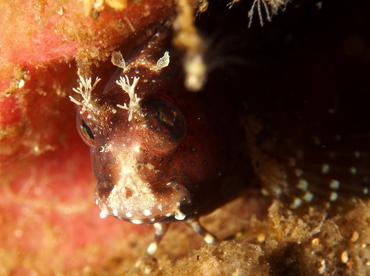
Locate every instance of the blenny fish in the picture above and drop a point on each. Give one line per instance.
(162, 154)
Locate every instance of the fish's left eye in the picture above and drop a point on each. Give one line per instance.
(166, 124)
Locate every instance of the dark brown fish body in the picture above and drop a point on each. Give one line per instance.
(159, 152)
(311, 148)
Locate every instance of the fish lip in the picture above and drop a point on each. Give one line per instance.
(161, 201)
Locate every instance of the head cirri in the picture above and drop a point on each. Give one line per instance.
(159, 153)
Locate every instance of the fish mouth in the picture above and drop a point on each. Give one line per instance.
(142, 203)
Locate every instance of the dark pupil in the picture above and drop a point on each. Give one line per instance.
(86, 130)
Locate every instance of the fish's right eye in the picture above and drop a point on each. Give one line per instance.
(85, 131)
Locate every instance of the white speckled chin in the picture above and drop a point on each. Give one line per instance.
(150, 209)
(133, 199)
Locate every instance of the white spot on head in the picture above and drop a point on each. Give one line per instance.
(137, 221)
(353, 170)
(115, 212)
(298, 172)
(302, 184)
(276, 189)
(297, 202)
(333, 196)
(334, 184)
(325, 168)
(292, 162)
(265, 192)
(366, 191)
(308, 197)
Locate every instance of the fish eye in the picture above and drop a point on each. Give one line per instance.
(85, 131)
(165, 122)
